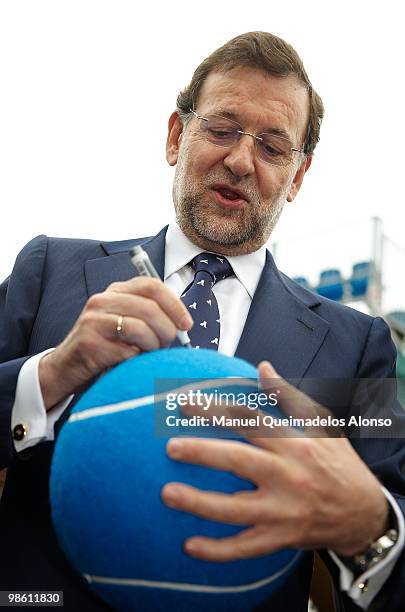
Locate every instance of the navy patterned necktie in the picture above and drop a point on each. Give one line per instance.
(201, 301)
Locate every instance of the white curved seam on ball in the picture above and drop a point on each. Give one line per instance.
(145, 401)
(196, 588)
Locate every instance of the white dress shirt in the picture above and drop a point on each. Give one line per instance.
(234, 296)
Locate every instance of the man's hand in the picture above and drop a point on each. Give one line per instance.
(310, 493)
(151, 314)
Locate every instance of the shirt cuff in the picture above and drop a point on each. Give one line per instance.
(29, 414)
(365, 587)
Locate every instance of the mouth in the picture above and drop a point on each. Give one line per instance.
(228, 197)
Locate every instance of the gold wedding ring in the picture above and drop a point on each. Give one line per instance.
(119, 330)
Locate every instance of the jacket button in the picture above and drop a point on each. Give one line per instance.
(20, 431)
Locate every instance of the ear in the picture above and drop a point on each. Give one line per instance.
(298, 178)
(174, 136)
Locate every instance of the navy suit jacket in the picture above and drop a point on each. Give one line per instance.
(301, 334)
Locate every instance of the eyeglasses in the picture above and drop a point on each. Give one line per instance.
(224, 132)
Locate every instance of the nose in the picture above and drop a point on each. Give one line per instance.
(240, 157)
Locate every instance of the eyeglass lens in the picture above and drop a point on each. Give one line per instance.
(224, 132)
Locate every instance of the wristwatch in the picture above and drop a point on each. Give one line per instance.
(376, 552)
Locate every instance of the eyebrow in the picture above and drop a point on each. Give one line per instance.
(270, 130)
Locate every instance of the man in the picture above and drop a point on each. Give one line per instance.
(242, 139)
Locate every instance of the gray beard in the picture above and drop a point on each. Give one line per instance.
(252, 226)
(230, 236)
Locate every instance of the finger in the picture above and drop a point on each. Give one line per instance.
(139, 307)
(266, 371)
(129, 351)
(133, 332)
(249, 424)
(239, 458)
(121, 352)
(100, 324)
(296, 404)
(293, 401)
(253, 542)
(241, 508)
(154, 289)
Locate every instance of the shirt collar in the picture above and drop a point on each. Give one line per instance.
(180, 251)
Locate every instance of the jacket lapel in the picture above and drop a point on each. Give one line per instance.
(281, 326)
(103, 271)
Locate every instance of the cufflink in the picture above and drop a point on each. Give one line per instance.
(20, 431)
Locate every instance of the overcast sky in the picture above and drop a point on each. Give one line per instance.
(87, 87)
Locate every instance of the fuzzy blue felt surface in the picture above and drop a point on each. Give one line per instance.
(108, 470)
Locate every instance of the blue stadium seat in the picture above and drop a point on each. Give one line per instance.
(331, 284)
(360, 278)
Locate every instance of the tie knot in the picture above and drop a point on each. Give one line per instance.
(216, 265)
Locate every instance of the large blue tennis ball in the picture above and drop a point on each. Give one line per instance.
(108, 470)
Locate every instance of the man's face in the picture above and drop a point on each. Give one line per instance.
(227, 199)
